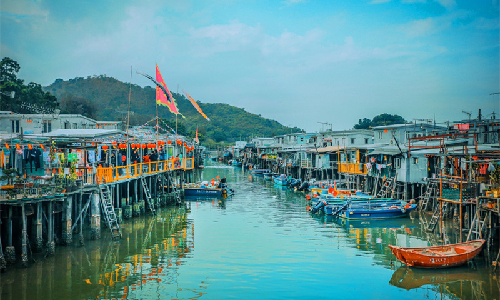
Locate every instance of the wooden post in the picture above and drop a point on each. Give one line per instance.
(80, 212)
(24, 238)
(67, 222)
(38, 227)
(95, 212)
(3, 262)
(10, 251)
(51, 246)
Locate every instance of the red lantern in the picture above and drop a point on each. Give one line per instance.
(132, 146)
(153, 145)
(169, 142)
(105, 147)
(185, 144)
(7, 146)
(143, 146)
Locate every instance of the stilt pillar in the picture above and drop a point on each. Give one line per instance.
(24, 238)
(10, 251)
(67, 222)
(38, 228)
(51, 246)
(95, 224)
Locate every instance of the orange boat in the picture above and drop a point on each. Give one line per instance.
(438, 256)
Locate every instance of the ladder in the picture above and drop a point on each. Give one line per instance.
(387, 187)
(109, 211)
(176, 191)
(429, 194)
(435, 216)
(478, 225)
(148, 195)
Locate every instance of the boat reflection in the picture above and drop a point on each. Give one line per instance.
(463, 282)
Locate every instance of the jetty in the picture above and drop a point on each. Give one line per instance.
(59, 182)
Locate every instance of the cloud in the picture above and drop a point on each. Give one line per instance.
(448, 4)
(23, 8)
(379, 1)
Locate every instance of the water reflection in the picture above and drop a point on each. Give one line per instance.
(462, 282)
(150, 252)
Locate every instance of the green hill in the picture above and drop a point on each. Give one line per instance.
(110, 99)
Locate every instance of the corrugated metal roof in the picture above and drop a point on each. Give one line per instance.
(80, 133)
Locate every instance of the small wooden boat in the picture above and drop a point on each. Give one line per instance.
(438, 256)
(281, 180)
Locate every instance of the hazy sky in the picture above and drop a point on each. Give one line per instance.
(299, 62)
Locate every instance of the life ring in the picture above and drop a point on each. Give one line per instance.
(250, 167)
(393, 207)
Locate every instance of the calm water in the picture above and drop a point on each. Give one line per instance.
(260, 243)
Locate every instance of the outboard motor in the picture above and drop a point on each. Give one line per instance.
(295, 183)
(304, 187)
(318, 206)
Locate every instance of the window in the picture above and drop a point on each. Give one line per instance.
(366, 141)
(15, 126)
(380, 134)
(75, 126)
(66, 125)
(47, 126)
(397, 163)
(352, 140)
(415, 160)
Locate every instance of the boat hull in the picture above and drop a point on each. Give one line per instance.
(203, 192)
(377, 213)
(438, 256)
(282, 182)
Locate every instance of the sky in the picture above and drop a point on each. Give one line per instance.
(302, 63)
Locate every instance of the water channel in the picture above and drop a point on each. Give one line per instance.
(259, 243)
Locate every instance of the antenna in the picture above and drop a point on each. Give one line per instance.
(467, 113)
(325, 123)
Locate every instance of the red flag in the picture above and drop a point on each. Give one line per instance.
(195, 105)
(163, 99)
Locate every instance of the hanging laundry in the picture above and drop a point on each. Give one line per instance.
(482, 169)
(91, 156)
(491, 167)
(46, 156)
(379, 167)
(368, 165)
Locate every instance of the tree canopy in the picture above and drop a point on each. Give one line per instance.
(19, 97)
(379, 120)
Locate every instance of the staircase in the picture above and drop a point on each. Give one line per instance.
(148, 195)
(478, 225)
(429, 194)
(435, 217)
(387, 188)
(175, 190)
(109, 211)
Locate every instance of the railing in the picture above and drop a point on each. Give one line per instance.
(352, 168)
(111, 174)
(306, 163)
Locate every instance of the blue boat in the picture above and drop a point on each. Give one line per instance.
(260, 171)
(205, 192)
(281, 180)
(269, 176)
(236, 164)
(378, 213)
